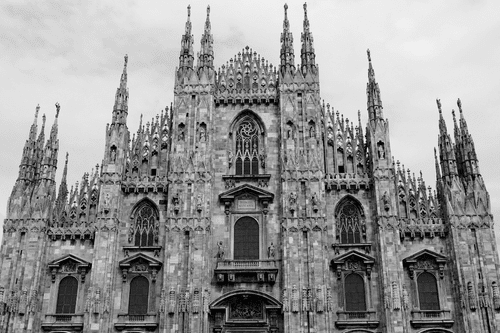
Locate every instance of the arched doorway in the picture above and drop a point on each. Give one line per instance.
(246, 310)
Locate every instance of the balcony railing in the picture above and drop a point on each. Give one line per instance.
(431, 318)
(246, 271)
(357, 318)
(60, 321)
(129, 321)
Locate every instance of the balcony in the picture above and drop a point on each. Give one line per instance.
(149, 322)
(246, 271)
(63, 322)
(349, 319)
(431, 318)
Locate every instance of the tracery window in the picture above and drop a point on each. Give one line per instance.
(66, 295)
(354, 293)
(247, 148)
(349, 224)
(246, 239)
(144, 230)
(428, 295)
(139, 296)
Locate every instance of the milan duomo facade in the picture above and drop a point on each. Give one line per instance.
(249, 205)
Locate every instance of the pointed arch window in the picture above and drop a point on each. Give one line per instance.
(145, 231)
(139, 296)
(66, 295)
(246, 239)
(349, 226)
(428, 296)
(355, 299)
(247, 148)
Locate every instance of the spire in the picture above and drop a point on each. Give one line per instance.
(120, 109)
(206, 56)
(186, 56)
(307, 55)
(446, 149)
(466, 149)
(374, 102)
(62, 195)
(286, 55)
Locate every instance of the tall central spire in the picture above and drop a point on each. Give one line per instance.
(374, 102)
(286, 55)
(120, 109)
(186, 57)
(307, 52)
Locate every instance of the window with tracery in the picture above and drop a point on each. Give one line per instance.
(246, 239)
(66, 295)
(349, 224)
(139, 296)
(247, 148)
(144, 230)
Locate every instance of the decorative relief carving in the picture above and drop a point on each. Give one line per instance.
(163, 301)
(329, 300)
(496, 296)
(396, 298)
(295, 299)
(88, 299)
(206, 300)
(305, 300)
(196, 300)
(139, 266)
(471, 296)
(320, 301)
(171, 301)
(484, 298)
(23, 302)
(246, 307)
(406, 298)
(68, 267)
(284, 300)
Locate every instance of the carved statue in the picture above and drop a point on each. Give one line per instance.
(270, 251)
(229, 158)
(284, 300)
(292, 199)
(314, 199)
(381, 151)
(295, 299)
(220, 251)
(112, 155)
(406, 299)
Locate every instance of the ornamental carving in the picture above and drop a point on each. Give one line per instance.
(284, 300)
(139, 266)
(246, 307)
(295, 299)
(68, 267)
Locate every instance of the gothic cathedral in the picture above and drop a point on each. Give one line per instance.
(249, 205)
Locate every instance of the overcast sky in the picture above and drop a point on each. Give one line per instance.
(72, 53)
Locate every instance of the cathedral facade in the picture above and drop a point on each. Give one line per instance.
(248, 205)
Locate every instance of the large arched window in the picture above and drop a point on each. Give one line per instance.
(139, 296)
(427, 291)
(66, 296)
(349, 223)
(354, 293)
(246, 239)
(144, 230)
(247, 148)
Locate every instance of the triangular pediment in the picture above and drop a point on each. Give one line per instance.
(353, 255)
(420, 255)
(69, 258)
(261, 194)
(139, 257)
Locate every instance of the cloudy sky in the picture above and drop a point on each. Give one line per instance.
(72, 53)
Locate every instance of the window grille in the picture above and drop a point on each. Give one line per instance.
(139, 295)
(66, 296)
(246, 239)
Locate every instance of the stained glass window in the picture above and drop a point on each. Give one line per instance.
(427, 292)
(247, 148)
(348, 222)
(354, 293)
(66, 296)
(144, 226)
(246, 239)
(139, 295)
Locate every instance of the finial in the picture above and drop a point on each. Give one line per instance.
(305, 10)
(58, 108)
(67, 155)
(37, 109)
(369, 56)
(189, 12)
(208, 10)
(438, 102)
(459, 103)
(454, 118)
